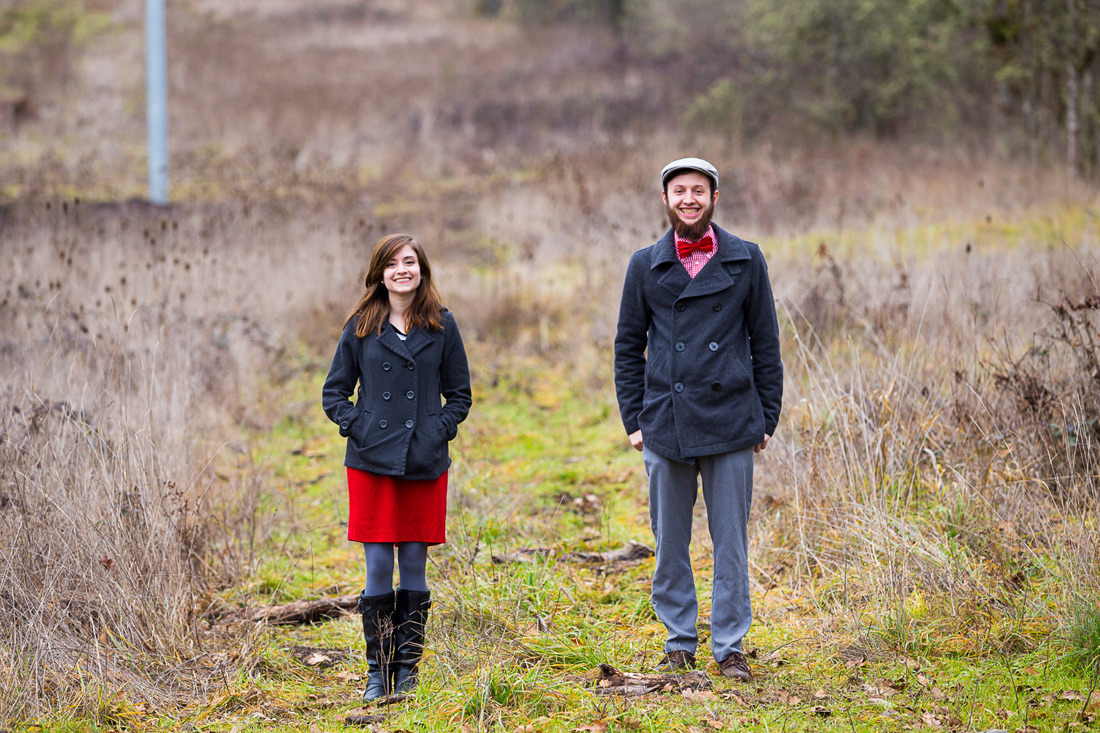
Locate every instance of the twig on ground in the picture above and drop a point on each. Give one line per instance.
(298, 612)
(614, 682)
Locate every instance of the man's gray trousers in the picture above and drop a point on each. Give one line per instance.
(727, 491)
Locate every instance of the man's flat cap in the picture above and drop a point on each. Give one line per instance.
(689, 164)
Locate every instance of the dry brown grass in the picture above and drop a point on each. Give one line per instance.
(134, 340)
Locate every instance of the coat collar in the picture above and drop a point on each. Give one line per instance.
(416, 341)
(730, 248)
(419, 339)
(711, 278)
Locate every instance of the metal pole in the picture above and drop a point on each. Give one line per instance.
(156, 100)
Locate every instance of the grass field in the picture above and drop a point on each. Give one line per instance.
(924, 541)
(516, 644)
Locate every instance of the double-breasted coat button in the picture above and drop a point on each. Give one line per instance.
(713, 346)
(716, 307)
(410, 394)
(385, 395)
(678, 387)
(411, 366)
(383, 424)
(409, 424)
(385, 366)
(681, 307)
(716, 386)
(680, 346)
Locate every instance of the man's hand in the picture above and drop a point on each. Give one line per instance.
(636, 439)
(761, 446)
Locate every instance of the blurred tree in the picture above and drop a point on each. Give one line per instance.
(701, 33)
(846, 65)
(609, 13)
(1047, 53)
(1024, 68)
(862, 64)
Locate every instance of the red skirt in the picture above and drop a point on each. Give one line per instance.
(394, 509)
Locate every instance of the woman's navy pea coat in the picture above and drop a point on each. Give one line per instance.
(697, 363)
(399, 425)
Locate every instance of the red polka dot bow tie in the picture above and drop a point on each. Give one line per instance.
(683, 249)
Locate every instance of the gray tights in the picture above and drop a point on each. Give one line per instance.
(412, 563)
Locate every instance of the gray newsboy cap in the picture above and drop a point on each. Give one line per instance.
(693, 164)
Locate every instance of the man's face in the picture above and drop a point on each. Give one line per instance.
(690, 204)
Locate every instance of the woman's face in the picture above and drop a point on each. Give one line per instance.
(401, 275)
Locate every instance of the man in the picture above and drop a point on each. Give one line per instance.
(703, 398)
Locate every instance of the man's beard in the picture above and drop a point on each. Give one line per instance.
(691, 232)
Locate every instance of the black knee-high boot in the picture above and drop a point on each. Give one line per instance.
(409, 619)
(378, 634)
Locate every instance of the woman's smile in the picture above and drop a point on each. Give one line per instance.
(402, 273)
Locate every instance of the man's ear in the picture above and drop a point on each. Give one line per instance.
(664, 197)
(714, 199)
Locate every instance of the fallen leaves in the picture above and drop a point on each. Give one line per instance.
(772, 659)
(732, 695)
(897, 685)
(318, 657)
(700, 695)
(879, 690)
(860, 661)
(786, 697)
(940, 717)
(710, 725)
(598, 727)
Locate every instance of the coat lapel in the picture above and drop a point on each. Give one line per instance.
(714, 276)
(674, 277)
(391, 341)
(419, 339)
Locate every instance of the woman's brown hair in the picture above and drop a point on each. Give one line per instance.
(373, 309)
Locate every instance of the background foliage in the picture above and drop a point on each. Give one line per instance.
(1022, 69)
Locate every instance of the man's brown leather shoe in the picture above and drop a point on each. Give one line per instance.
(735, 666)
(676, 661)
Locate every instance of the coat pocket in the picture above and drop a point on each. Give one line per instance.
(361, 427)
(427, 447)
(729, 379)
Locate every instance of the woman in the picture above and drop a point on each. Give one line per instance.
(402, 349)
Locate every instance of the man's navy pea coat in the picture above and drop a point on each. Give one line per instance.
(712, 379)
(398, 425)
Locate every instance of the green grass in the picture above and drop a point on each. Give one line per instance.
(515, 645)
(1084, 638)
